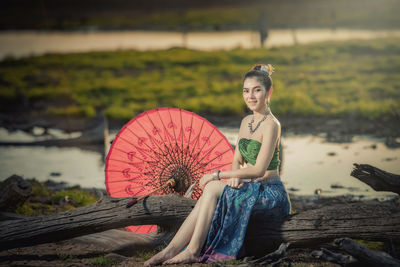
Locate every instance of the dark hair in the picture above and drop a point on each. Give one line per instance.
(260, 71)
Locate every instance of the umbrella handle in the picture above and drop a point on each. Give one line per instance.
(171, 182)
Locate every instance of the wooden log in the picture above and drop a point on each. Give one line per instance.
(378, 179)
(272, 257)
(327, 255)
(125, 243)
(4, 216)
(107, 213)
(13, 192)
(363, 254)
(370, 221)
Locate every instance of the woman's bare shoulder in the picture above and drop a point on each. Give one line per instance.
(245, 120)
(272, 123)
(276, 121)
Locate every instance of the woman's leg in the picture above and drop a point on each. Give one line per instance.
(204, 216)
(181, 238)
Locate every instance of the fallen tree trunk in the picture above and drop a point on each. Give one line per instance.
(378, 179)
(125, 243)
(107, 213)
(371, 221)
(365, 255)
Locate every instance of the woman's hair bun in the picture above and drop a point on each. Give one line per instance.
(262, 67)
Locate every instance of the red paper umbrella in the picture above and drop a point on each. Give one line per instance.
(160, 145)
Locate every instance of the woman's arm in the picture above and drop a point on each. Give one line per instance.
(236, 162)
(237, 157)
(271, 131)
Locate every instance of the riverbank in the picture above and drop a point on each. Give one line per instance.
(355, 79)
(337, 129)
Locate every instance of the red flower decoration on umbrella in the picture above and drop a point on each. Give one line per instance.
(160, 145)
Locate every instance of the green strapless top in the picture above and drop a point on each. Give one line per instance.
(250, 148)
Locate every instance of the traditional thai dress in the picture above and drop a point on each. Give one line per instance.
(234, 207)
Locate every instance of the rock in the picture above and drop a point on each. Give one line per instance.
(336, 186)
(293, 189)
(13, 192)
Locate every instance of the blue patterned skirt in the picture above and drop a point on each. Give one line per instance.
(232, 214)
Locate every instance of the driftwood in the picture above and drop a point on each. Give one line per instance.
(126, 243)
(378, 179)
(372, 221)
(327, 255)
(362, 253)
(107, 213)
(14, 191)
(369, 221)
(272, 258)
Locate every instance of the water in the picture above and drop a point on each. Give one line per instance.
(306, 163)
(25, 43)
(311, 163)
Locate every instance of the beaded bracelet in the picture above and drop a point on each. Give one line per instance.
(216, 174)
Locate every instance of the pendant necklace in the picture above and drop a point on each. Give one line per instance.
(258, 124)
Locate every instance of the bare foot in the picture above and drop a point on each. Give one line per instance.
(184, 257)
(160, 257)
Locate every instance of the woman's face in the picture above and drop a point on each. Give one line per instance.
(254, 94)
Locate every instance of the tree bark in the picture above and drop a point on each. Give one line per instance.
(371, 221)
(107, 213)
(378, 179)
(327, 255)
(125, 243)
(362, 253)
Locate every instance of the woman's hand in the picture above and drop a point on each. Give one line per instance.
(235, 183)
(205, 179)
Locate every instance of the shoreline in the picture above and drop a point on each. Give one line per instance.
(334, 129)
(297, 124)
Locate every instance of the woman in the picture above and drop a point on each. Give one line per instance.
(221, 215)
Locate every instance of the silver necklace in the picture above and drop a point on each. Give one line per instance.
(258, 124)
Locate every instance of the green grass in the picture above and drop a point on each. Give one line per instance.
(44, 201)
(375, 245)
(230, 262)
(328, 79)
(103, 261)
(79, 197)
(144, 255)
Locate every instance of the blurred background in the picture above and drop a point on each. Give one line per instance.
(72, 73)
